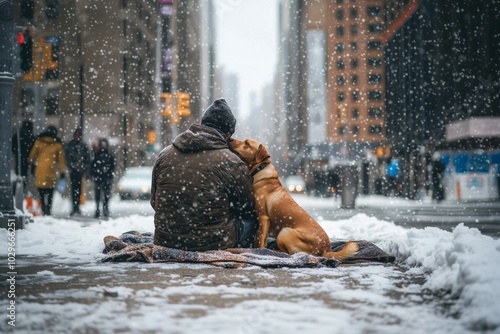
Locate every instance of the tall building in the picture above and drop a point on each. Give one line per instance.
(101, 69)
(442, 64)
(104, 79)
(331, 68)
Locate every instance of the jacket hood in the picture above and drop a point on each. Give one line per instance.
(199, 138)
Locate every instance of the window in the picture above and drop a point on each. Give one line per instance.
(355, 113)
(354, 12)
(373, 11)
(354, 29)
(375, 112)
(354, 63)
(340, 64)
(138, 37)
(125, 28)
(354, 79)
(140, 68)
(139, 98)
(52, 102)
(340, 1)
(374, 62)
(340, 97)
(354, 46)
(355, 96)
(340, 31)
(28, 9)
(355, 130)
(125, 91)
(52, 9)
(342, 130)
(374, 78)
(340, 47)
(27, 97)
(375, 129)
(375, 28)
(374, 95)
(340, 14)
(374, 45)
(341, 80)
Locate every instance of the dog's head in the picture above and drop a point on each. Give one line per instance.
(252, 152)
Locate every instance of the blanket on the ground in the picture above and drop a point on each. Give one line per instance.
(133, 246)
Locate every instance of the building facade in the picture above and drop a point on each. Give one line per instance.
(103, 67)
(442, 72)
(331, 68)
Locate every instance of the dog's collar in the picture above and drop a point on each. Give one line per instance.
(261, 167)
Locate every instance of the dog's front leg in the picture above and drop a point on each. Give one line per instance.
(263, 231)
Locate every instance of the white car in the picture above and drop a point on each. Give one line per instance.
(136, 183)
(295, 184)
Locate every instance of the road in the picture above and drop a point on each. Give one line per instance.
(484, 216)
(59, 292)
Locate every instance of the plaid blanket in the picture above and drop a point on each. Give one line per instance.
(133, 246)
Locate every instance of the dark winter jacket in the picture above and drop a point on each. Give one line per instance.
(102, 168)
(199, 190)
(26, 141)
(77, 156)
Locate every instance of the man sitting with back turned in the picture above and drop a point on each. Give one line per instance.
(202, 192)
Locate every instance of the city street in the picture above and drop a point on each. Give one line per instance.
(441, 282)
(446, 215)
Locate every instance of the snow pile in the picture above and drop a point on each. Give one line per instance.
(463, 262)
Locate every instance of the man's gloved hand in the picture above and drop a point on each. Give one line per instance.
(62, 176)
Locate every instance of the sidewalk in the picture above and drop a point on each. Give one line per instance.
(446, 215)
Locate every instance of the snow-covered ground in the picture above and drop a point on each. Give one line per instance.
(442, 282)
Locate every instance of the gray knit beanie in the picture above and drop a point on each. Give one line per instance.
(219, 116)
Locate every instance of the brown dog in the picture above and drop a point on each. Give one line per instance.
(279, 215)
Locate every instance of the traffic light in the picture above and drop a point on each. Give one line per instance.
(183, 104)
(50, 60)
(151, 140)
(383, 152)
(151, 137)
(25, 40)
(166, 107)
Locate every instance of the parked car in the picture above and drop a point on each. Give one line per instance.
(135, 183)
(295, 184)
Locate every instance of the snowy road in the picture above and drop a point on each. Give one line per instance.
(442, 282)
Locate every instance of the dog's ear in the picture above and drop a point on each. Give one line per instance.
(262, 154)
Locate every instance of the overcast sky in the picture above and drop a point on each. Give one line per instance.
(247, 43)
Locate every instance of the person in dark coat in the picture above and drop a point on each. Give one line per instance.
(22, 142)
(438, 168)
(78, 161)
(48, 155)
(102, 170)
(202, 193)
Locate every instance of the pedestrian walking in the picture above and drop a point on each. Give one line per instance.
(78, 162)
(48, 156)
(393, 177)
(22, 142)
(102, 170)
(437, 173)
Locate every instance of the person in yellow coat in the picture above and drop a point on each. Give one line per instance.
(48, 155)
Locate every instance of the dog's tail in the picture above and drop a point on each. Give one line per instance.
(350, 249)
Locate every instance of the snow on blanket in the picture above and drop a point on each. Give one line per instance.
(134, 246)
